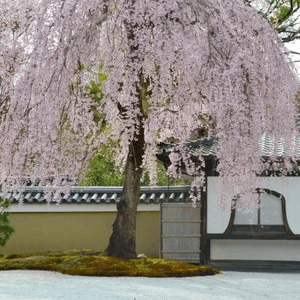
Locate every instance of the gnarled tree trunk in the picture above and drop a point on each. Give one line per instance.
(122, 241)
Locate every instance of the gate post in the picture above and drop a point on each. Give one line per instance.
(204, 241)
(210, 170)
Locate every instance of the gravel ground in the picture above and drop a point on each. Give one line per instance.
(44, 285)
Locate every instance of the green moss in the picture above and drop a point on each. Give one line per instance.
(95, 263)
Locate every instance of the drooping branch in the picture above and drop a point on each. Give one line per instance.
(196, 56)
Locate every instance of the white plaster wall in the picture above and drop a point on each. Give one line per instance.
(289, 187)
(217, 221)
(74, 207)
(255, 250)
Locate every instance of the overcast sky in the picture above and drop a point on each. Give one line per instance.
(295, 46)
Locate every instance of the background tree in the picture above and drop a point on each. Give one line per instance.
(168, 63)
(6, 230)
(102, 171)
(283, 16)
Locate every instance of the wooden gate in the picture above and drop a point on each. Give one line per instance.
(180, 232)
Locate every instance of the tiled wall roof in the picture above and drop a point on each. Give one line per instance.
(80, 194)
(209, 144)
(106, 195)
(279, 148)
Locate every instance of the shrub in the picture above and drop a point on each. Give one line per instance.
(6, 229)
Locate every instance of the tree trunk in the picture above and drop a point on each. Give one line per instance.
(122, 241)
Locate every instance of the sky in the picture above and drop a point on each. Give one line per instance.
(295, 46)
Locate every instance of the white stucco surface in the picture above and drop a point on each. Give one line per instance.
(289, 187)
(266, 250)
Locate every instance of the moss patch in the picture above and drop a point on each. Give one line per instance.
(95, 263)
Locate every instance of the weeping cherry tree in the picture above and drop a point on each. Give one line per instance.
(170, 65)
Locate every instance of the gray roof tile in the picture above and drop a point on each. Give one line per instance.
(209, 145)
(106, 195)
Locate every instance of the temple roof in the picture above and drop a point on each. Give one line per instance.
(209, 145)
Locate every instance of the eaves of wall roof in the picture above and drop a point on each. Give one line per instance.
(106, 195)
(209, 145)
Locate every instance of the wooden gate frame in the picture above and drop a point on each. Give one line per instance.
(161, 251)
(210, 170)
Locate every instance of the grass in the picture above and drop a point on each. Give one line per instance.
(95, 263)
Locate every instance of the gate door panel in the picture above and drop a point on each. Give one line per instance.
(180, 232)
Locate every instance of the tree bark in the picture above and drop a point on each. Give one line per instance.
(122, 242)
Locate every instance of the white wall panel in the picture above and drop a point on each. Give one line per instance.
(289, 187)
(286, 250)
(242, 217)
(271, 210)
(217, 221)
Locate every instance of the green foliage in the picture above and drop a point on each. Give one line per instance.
(298, 102)
(5, 228)
(283, 12)
(94, 89)
(95, 263)
(102, 171)
(162, 177)
(284, 16)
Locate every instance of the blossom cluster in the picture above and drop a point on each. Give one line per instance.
(169, 63)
